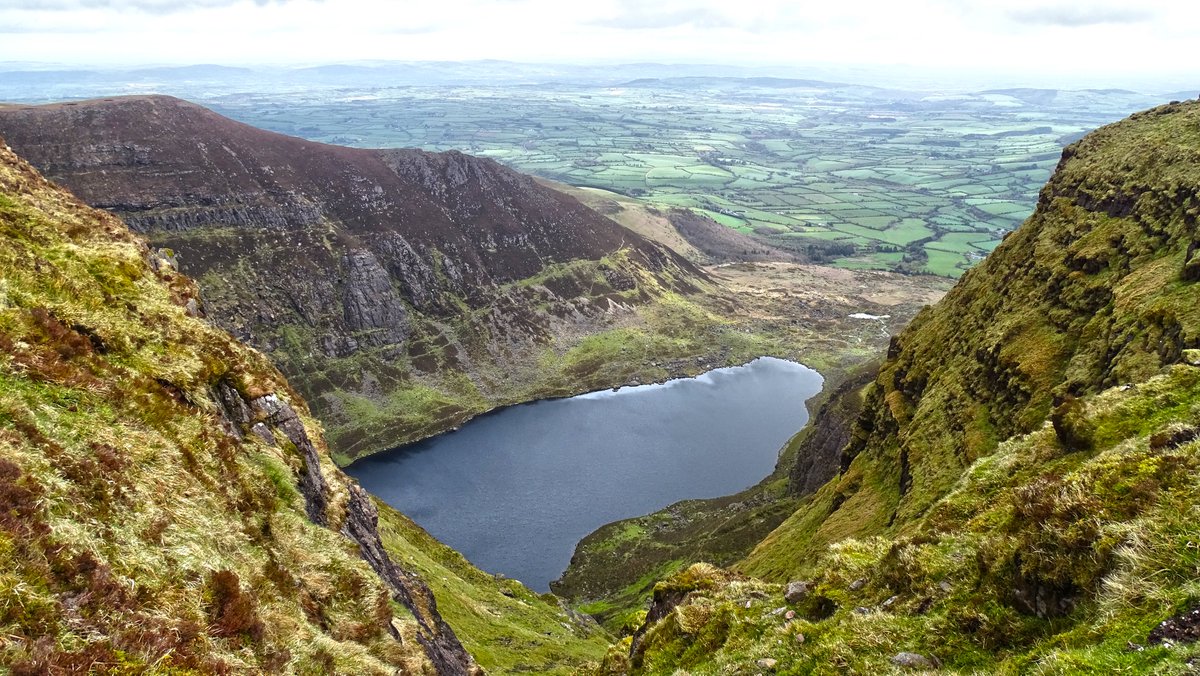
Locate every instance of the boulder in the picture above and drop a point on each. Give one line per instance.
(912, 661)
(797, 591)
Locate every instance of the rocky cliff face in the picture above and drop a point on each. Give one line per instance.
(819, 447)
(371, 276)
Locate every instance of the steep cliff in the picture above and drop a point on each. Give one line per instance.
(1017, 492)
(400, 291)
(167, 502)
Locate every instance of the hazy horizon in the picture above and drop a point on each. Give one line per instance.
(1143, 46)
(866, 75)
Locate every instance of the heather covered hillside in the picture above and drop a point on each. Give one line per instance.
(403, 292)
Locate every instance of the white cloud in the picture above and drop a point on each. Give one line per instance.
(1094, 37)
(148, 6)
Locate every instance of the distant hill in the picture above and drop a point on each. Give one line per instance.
(1029, 95)
(1182, 96)
(196, 72)
(770, 82)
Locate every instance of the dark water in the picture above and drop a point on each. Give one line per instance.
(516, 489)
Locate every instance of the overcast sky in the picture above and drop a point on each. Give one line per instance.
(1101, 40)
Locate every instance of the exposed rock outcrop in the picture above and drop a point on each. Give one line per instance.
(360, 523)
(435, 636)
(280, 415)
(664, 601)
(819, 452)
(908, 660)
(373, 310)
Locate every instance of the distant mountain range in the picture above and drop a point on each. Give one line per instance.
(491, 72)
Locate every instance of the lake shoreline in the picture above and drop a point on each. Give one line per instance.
(516, 490)
(630, 383)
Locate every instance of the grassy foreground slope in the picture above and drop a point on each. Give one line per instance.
(1040, 560)
(136, 531)
(168, 504)
(1019, 493)
(506, 627)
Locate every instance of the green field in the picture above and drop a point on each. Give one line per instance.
(806, 168)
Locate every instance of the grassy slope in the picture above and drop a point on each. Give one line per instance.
(505, 626)
(124, 506)
(1105, 534)
(133, 530)
(1026, 509)
(1089, 293)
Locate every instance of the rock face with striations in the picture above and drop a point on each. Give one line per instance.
(373, 309)
(379, 280)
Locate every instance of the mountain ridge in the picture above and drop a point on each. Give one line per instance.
(402, 291)
(168, 502)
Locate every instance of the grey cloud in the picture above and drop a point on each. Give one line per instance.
(1074, 16)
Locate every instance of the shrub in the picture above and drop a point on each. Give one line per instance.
(231, 612)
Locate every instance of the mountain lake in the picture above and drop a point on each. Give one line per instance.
(514, 490)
